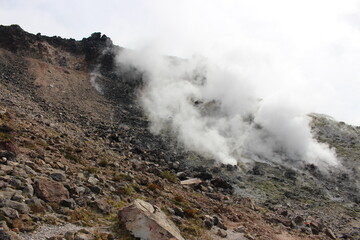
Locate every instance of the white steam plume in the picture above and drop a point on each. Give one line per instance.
(215, 112)
(94, 80)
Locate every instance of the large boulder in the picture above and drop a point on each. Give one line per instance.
(50, 191)
(148, 222)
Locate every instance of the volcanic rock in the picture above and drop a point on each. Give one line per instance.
(28, 191)
(9, 212)
(50, 191)
(208, 221)
(221, 183)
(69, 203)
(21, 207)
(146, 221)
(7, 155)
(191, 181)
(5, 233)
(57, 176)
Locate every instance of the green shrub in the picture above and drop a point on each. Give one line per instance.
(129, 190)
(169, 176)
(103, 163)
(121, 177)
(92, 170)
(72, 157)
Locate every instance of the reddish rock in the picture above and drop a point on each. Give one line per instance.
(50, 191)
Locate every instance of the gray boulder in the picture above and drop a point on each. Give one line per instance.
(146, 221)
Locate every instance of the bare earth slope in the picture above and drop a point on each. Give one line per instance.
(95, 148)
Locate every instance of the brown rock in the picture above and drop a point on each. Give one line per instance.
(50, 191)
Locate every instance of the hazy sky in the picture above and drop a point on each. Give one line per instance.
(307, 51)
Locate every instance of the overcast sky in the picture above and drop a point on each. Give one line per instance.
(303, 50)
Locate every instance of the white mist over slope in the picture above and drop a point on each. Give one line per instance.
(306, 49)
(216, 112)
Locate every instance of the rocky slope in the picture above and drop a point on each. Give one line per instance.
(72, 156)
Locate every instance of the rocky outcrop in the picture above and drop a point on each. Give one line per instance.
(14, 39)
(148, 222)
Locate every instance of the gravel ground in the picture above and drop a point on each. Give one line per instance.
(47, 231)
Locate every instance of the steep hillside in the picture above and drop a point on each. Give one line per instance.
(58, 130)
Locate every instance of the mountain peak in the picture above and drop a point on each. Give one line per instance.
(76, 147)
